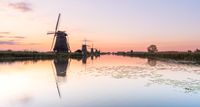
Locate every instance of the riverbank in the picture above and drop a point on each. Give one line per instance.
(26, 55)
(184, 56)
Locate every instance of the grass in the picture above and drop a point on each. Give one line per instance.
(33, 55)
(187, 56)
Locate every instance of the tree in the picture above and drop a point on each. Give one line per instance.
(189, 51)
(78, 51)
(152, 49)
(131, 51)
(197, 51)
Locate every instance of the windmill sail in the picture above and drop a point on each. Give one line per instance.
(56, 28)
(57, 86)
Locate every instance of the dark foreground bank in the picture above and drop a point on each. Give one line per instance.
(26, 55)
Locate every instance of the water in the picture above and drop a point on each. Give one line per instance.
(108, 81)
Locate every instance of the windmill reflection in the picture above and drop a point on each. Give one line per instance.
(152, 61)
(92, 57)
(61, 65)
(84, 59)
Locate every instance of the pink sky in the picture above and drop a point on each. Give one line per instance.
(110, 25)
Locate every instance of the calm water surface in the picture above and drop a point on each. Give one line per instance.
(107, 81)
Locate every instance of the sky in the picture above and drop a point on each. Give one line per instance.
(111, 25)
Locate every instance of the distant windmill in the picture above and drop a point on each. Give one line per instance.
(84, 47)
(62, 43)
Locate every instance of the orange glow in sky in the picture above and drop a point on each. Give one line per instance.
(111, 25)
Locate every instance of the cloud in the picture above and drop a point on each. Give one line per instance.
(15, 42)
(10, 42)
(18, 37)
(33, 44)
(2, 36)
(22, 6)
(4, 32)
(13, 37)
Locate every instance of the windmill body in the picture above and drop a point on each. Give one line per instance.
(84, 49)
(61, 44)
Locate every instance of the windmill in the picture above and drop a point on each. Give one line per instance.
(61, 44)
(84, 47)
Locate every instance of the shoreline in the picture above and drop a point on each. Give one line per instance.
(36, 55)
(12, 56)
(181, 57)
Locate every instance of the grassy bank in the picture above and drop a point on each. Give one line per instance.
(187, 56)
(26, 55)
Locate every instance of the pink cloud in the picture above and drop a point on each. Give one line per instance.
(22, 6)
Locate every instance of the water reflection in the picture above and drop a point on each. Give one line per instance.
(21, 60)
(151, 61)
(120, 72)
(61, 66)
(156, 74)
(84, 59)
(153, 75)
(114, 80)
(189, 86)
(92, 57)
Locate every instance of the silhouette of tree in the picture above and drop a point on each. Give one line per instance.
(197, 50)
(189, 51)
(152, 49)
(78, 51)
(131, 51)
